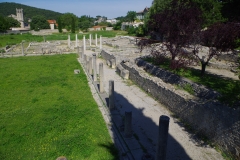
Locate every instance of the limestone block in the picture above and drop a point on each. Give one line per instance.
(125, 74)
(108, 63)
(76, 71)
(119, 69)
(113, 63)
(61, 158)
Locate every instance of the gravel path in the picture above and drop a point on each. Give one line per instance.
(182, 145)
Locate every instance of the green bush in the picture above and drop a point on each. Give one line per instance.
(131, 30)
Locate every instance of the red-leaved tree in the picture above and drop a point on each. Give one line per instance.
(174, 26)
(220, 37)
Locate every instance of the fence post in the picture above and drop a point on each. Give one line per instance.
(79, 54)
(162, 137)
(96, 39)
(94, 67)
(101, 78)
(22, 49)
(90, 39)
(90, 66)
(84, 43)
(69, 41)
(128, 124)
(111, 95)
(76, 42)
(100, 45)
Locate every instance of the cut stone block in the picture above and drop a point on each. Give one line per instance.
(113, 63)
(76, 71)
(125, 74)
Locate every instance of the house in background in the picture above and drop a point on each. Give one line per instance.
(112, 21)
(141, 14)
(52, 23)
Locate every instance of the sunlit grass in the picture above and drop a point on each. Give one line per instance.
(47, 111)
(13, 39)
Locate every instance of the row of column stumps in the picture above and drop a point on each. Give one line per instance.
(84, 41)
(163, 120)
(162, 132)
(162, 135)
(76, 43)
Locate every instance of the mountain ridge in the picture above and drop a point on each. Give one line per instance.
(8, 8)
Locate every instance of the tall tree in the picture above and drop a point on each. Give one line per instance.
(39, 22)
(12, 22)
(4, 25)
(211, 10)
(59, 25)
(177, 24)
(67, 21)
(131, 16)
(85, 22)
(158, 6)
(218, 38)
(73, 25)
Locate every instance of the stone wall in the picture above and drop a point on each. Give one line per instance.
(219, 123)
(108, 56)
(205, 115)
(168, 77)
(105, 55)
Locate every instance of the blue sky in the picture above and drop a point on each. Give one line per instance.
(109, 8)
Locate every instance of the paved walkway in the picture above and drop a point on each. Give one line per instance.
(145, 118)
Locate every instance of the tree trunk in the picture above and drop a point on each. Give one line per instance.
(204, 64)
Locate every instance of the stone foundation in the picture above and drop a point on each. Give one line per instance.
(219, 123)
(209, 118)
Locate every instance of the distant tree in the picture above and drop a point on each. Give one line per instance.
(67, 21)
(105, 24)
(140, 31)
(12, 22)
(98, 16)
(117, 26)
(131, 16)
(4, 25)
(85, 22)
(131, 30)
(59, 25)
(39, 22)
(122, 18)
(73, 25)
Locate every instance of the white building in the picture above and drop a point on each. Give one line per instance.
(112, 21)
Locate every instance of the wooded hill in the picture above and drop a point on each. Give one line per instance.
(8, 8)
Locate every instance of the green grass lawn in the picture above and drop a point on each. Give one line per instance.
(12, 39)
(47, 111)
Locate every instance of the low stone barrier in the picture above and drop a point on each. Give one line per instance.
(122, 72)
(212, 119)
(202, 112)
(168, 77)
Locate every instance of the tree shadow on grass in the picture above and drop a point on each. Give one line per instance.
(112, 149)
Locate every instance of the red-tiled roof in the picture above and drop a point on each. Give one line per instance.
(52, 21)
